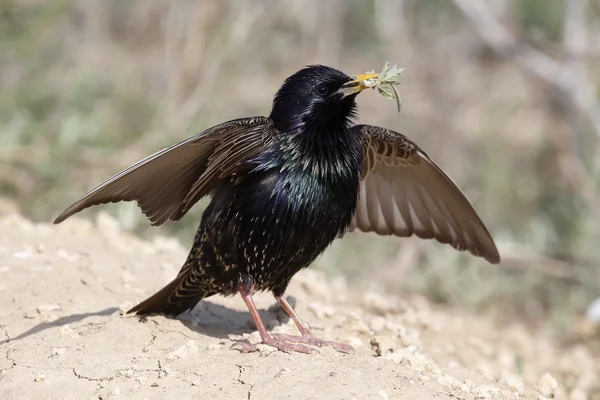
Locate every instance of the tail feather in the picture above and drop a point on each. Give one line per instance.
(174, 299)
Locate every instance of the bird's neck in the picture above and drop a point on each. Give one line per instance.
(325, 149)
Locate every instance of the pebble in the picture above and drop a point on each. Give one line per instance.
(547, 385)
(22, 254)
(282, 371)
(65, 255)
(141, 380)
(125, 306)
(66, 329)
(486, 392)
(382, 345)
(184, 351)
(514, 383)
(353, 341)
(58, 351)
(449, 381)
(40, 377)
(354, 323)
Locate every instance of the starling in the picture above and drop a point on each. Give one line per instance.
(282, 189)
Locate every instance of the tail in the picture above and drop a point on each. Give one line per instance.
(175, 298)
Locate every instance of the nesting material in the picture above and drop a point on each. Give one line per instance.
(386, 83)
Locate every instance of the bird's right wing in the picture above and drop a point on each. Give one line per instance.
(168, 183)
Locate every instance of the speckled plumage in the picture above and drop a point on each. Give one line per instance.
(283, 188)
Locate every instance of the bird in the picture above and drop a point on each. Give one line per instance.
(282, 189)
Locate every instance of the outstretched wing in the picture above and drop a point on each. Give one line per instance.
(403, 192)
(168, 183)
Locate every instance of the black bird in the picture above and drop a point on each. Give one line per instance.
(283, 188)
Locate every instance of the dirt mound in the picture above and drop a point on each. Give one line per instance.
(63, 334)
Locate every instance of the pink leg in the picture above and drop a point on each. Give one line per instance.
(282, 345)
(306, 336)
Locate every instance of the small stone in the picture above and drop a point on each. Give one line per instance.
(40, 377)
(195, 383)
(58, 351)
(282, 371)
(22, 254)
(382, 345)
(125, 306)
(354, 323)
(449, 381)
(353, 341)
(514, 383)
(184, 351)
(382, 394)
(141, 380)
(116, 391)
(486, 392)
(265, 350)
(547, 385)
(66, 330)
(46, 308)
(65, 255)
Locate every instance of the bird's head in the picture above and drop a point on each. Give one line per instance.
(317, 97)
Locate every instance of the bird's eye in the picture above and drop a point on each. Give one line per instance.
(322, 90)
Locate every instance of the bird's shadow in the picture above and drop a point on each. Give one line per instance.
(206, 318)
(220, 322)
(69, 319)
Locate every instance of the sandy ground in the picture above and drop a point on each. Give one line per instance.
(64, 335)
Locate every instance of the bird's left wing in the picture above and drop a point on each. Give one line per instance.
(168, 183)
(403, 192)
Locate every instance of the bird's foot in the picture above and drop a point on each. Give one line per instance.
(282, 345)
(312, 340)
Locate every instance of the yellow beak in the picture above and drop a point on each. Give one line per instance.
(357, 84)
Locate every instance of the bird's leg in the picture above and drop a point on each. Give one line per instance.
(246, 291)
(306, 336)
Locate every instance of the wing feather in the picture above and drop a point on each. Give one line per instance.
(168, 183)
(404, 193)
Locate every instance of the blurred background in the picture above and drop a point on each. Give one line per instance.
(503, 94)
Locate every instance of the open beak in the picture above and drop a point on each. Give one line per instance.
(358, 84)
